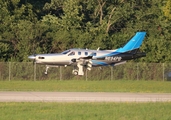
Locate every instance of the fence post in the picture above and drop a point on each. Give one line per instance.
(9, 71)
(60, 72)
(111, 73)
(86, 74)
(163, 71)
(137, 71)
(34, 71)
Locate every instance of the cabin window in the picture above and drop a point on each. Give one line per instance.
(79, 53)
(41, 57)
(86, 53)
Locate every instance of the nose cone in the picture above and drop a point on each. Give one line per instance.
(32, 57)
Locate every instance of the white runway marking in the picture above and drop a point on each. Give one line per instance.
(83, 97)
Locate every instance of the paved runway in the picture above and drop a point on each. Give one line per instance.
(83, 97)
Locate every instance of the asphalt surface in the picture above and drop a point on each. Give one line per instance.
(82, 97)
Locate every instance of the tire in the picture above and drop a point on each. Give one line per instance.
(75, 72)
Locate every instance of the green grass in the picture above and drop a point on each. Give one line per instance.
(88, 86)
(85, 111)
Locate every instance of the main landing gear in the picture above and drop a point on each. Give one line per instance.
(75, 72)
(79, 71)
(47, 67)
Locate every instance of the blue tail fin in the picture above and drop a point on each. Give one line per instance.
(134, 43)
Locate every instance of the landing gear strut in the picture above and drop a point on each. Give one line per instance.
(79, 71)
(47, 67)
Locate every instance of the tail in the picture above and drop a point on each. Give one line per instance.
(134, 43)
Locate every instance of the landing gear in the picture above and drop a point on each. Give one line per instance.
(47, 67)
(80, 65)
(75, 72)
(79, 71)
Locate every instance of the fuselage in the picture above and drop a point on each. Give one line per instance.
(66, 57)
(69, 57)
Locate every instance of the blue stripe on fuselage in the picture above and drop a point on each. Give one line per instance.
(110, 54)
(99, 63)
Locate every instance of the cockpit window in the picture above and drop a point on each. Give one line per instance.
(65, 52)
(41, 57)
(72, 53)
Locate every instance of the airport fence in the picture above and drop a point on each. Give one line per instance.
(130, 71)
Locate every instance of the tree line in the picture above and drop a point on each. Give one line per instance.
(50, 26)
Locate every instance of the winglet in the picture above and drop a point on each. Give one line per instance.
(134, 43)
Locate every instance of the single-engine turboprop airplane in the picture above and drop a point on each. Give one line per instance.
(86, 59)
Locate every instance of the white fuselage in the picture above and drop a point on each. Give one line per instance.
(65, 58)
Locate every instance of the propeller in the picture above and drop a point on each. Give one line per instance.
(33, 57)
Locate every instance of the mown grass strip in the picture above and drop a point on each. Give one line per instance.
(88, 86)
(85, 111)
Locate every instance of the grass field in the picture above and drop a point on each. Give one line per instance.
(85, 111)
(88, 86)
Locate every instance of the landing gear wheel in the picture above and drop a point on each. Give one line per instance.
(75, 72)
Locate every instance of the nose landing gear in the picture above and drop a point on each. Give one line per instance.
(47, 67)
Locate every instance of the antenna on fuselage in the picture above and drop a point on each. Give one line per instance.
(98, 48)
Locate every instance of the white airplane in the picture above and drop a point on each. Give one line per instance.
(82, 59)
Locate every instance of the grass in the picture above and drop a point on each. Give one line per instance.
(85, 111)
(88, 86)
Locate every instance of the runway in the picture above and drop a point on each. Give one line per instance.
(83, 97)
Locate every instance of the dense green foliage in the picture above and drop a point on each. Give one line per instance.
(43, 26)
(85, 111)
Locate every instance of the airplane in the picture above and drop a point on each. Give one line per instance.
(82, 59)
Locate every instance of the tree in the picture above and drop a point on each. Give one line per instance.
(16, 22)
(167, 9)
(43, 26)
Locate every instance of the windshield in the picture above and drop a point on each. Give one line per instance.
(65, 52)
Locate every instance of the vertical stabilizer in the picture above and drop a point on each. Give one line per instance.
(134, 43)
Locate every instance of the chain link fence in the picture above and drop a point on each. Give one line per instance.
(129, 71)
